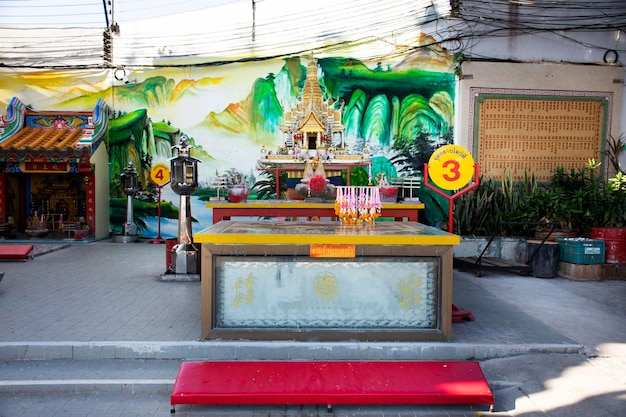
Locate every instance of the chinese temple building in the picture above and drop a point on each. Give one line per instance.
(54, 169)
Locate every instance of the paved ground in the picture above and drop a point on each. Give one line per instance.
(92, 330)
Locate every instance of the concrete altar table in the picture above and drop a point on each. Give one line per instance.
(224, 210)
(324, 281)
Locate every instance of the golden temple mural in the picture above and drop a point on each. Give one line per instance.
(315, 122)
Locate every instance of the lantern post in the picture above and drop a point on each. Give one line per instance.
(184, 183)
(128, 178)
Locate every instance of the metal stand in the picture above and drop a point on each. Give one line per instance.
(481, 262)
(158, 239)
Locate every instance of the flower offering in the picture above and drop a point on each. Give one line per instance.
(357, 205)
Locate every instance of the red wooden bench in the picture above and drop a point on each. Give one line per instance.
(330, 383)
(16, 251)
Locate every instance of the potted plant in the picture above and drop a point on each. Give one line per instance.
(609, 221)
(584, 203)
(577, 200)
(607, 207)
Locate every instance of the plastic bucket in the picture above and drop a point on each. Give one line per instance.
(614, 243)
(544, 258)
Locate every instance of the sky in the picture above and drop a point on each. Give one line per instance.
(165, 32)
(91, 13)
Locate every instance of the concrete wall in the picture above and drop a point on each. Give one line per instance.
(537, 76)
(510, 249)
(100, 159)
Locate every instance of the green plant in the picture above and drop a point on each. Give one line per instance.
(358, 176)
(476, 212)
(577, 199)
(614, 148)
(265, 186)
(613, 214)
(492, 207)
(457, 63)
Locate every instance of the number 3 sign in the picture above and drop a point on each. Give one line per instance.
(451, 167)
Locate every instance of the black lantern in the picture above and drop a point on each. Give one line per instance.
(184, 170)
(128, 180)
(184, 183)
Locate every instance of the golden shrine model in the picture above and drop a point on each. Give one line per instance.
(313, 129)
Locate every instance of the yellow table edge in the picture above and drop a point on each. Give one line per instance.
(214, 236)
(298, 204)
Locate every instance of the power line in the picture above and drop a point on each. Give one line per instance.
(391, 26)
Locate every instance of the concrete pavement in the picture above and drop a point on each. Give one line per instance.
(91, 330)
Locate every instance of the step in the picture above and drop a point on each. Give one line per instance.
(114, 376)
(242, 350)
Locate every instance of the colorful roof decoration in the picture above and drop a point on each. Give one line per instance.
(27, 135)
(313, 113)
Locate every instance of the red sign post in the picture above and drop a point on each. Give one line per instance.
(451, 167)
(160, 176)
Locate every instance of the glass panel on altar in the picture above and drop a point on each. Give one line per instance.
(296, 293)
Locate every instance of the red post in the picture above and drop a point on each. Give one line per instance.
(159, 239)
(454, 196)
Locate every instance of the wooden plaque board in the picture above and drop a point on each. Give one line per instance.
(529, 131)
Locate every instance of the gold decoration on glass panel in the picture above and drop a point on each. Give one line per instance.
(244, 291)
(326, 286)
(409, 292)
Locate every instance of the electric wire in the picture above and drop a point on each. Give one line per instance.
(299, 27)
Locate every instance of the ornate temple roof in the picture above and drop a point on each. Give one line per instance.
(27, 135)
(313, 113)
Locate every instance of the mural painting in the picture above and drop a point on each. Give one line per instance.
(400, 108)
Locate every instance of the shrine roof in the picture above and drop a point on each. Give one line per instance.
(26, 134)
(44, 138)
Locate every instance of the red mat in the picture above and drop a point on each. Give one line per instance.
(331, 383)
(15, 251)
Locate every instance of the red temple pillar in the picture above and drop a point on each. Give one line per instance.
(3, 202)
(90, 202)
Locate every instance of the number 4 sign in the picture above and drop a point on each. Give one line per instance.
(160, 175)
(451, 167)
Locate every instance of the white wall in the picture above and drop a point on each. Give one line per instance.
(491, 37)
(537, 76)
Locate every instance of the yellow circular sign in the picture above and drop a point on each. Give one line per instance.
(160, 174)
(451, 167)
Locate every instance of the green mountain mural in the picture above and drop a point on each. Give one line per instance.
(153, 92)
(258, 116)
(380, 106)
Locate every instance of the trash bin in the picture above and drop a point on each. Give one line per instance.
(614, 243)
(543, 258)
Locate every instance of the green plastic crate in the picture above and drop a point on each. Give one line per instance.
(578, 250)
